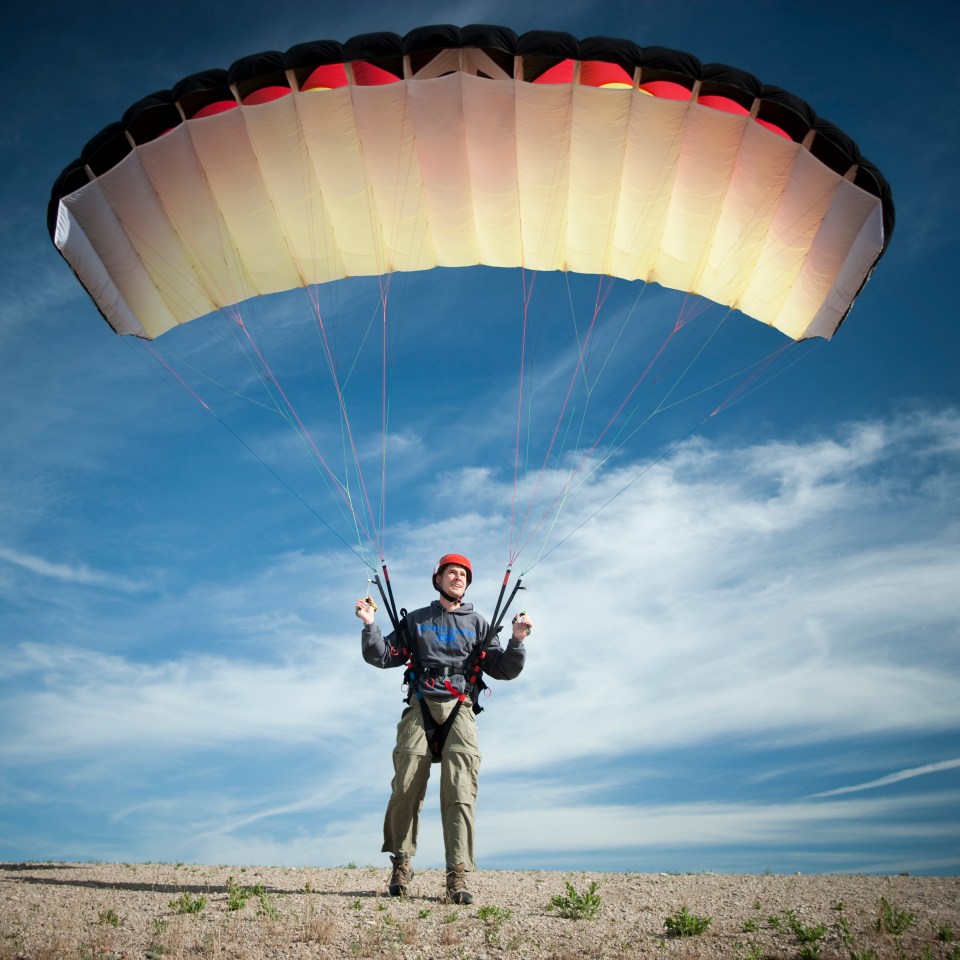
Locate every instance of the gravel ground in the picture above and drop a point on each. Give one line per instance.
(83, 911)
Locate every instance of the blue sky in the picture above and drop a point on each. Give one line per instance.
(748, 660)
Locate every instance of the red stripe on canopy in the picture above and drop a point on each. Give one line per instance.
(330, 76)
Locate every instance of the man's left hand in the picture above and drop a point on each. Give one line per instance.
(522, 625)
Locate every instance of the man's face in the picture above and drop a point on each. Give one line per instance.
(453, 580)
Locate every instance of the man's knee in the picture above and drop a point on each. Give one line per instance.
(410, 769)
(459, 777)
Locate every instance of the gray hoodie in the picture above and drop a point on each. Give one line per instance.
(443, 641)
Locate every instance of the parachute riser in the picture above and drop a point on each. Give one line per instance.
(393, 603)
(500, 610)
(388, 604)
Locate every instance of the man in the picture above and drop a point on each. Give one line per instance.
(443, 642)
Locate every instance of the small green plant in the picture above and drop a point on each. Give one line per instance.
(749, 951)
(809, 938)
(843, 929)
(494, 918)
(809, 934)
(577, 906)
(188, 903)
(160, 926)
(267, 907)
(494, 915)
(108, 918)
(892, 920)
(683, 923)
(237, 896)
(750, 925)
(945, 933)
(451, 917)
(423, 914)
(356, 904)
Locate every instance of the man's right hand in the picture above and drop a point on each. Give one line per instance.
(365, 610)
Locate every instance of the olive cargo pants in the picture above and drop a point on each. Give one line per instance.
(458, 783)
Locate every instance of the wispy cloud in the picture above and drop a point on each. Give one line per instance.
(72, 573)
(87, 703)
(901, 775)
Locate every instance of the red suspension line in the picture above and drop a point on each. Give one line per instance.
(527, 294)
(344, 493)
(315, 302)
(573, 379)
(384, 295)
(681, 322)
(749, 384)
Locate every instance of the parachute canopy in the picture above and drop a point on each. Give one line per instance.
(453, 147)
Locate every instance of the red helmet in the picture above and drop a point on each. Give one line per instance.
(452, 558)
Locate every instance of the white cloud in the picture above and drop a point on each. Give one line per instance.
(525, 826)
(897, 777)
(72, 573)
(84, 703)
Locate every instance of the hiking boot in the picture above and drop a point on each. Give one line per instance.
(401, 876)
(457, 885)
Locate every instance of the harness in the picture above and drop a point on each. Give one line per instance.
(416, 676)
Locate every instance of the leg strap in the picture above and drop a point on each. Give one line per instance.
(437, 733)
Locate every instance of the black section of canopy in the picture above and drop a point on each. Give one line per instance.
(719, 80)
(199, 90)
(106, 149)
(793, 115)
(257, 71)
(424, 43)
(151, 116)
(624, 53)
(383, 50)
(315, 53)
